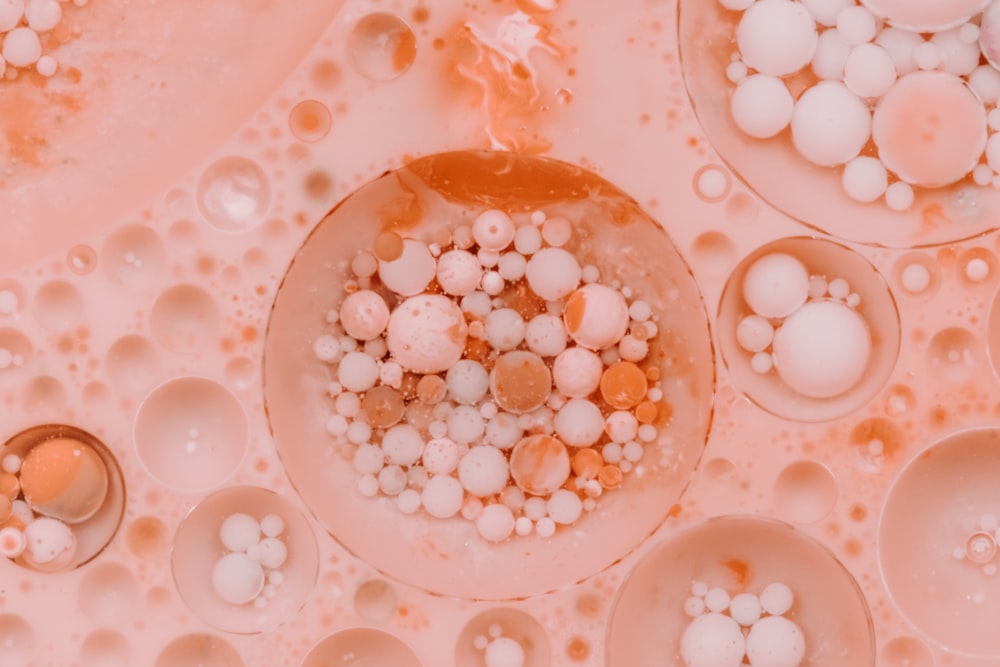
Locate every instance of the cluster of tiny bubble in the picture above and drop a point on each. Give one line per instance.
(843, 80)
(797, 320)
(498, 650)
(248, 573)
(490, 375)
(729, 631)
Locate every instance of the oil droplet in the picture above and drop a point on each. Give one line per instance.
(233, 194)
(564, 96)
(15, 351)
(918, 275)
(241, 373)
(906, 652)
(13, 298)
(712, 183)
(326, 74)
(105, 648)
(742, 208)
(191, 433)
(361, 646)
(133, 256)
(375, 600)
(109, 594)
(199, 649)
(81, 259)
(381, 46)
(45, 398)
(805, 492)
(714, 253)
(953, 355)
(17, 647)
(507, 622)
(147, 537)
(184, 319)
(58, 306)
(309, 120)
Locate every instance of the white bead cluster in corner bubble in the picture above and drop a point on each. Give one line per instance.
(26, 28)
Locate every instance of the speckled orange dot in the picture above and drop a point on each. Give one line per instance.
(645, 412)
(539, 464)
(147, 537)
(383, 406)
(431, 389)
(578, 649)
(623, 385)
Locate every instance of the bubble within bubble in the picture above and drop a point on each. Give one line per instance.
(381, 46)
(15, 351)
(18, 643)
(363, 646)
(81, 259)
(109, 593)
(512, 624)
(105, 648)
(184, 319)
(233, 194)
(805, 492)
(953, 354)
(199, 649)
(132, 363)
(906, 652)
(712, 183)
(309, 120)
(191, 433)
(714, 253)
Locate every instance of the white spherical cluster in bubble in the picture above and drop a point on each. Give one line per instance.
(248, 573)
(23, 25)
(728, 631)
(804, 327)
(890, 106)
(493, 378)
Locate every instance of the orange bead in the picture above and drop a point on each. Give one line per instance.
(383, 406)
(388, 246)
(5, 507)
(10, 487)
(539, 464)
(587, 463)
(623, 385)
(65, 479)
(520, 381)
(610, 477)
(646, 412)
(431, 389)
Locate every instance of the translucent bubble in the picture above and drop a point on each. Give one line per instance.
(741, 555)
(81, 259)
(925, 16)
(511, 623)
(954, 355)
(805, 492)
(326, 74)
(719, 469)
(363, 646)
(133, 364)
(199, 649)
(58, 306)
(191, 433)
(714, 253)
(184, 319)
(133, 256)
(16, 351)
(146, 537)
(742, 208)
(233, 194)
(197, 548)
(13, 298)
(931, 511)
(45, 398)
(17, 647)
(109, 593)
(906, 652)
(96, 532)
(712, 183)
(241, 372)
(183, 233)
(309, 120)
(381, 46)
(105, 648)
(375, 600)
(917, 274)
(992, 334)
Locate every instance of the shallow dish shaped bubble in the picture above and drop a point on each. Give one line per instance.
(827, 118)
(732, 587)
(808, 329)
(447, 517)
(937, 542)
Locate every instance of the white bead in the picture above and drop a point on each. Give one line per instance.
(239, 531)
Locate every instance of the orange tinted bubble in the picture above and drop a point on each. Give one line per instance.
(520, 381)
(431, 389)
(623, 385)
(383, 405)
(309, 120)
(388, 246)
(587, 463)
(645, 412)
(539, 464)
(610, 477)
(65, 479)
(9, 486)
